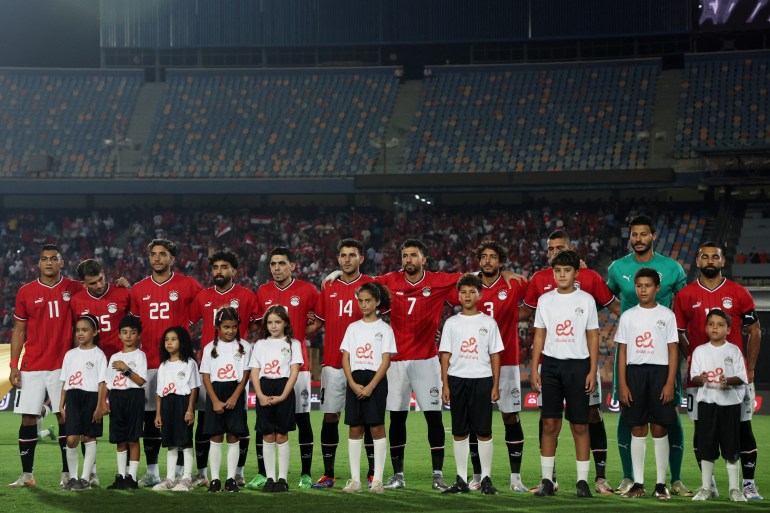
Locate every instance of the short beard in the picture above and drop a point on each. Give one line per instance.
(710, 272)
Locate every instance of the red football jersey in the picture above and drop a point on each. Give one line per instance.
(692, 304)
(415, 311)
(209, 300)
(47, 311)
(160, 306)
(502, 304)
(299, 298)
(587, 280)
(337, 306)
(110, 309)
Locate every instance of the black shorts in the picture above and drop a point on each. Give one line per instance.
(369, 411)
(646, 382)
(565, 381)
(471, 405)
(175, 432)
(126, 415)
(230, 421)
(281, 417)
(80, 406)
(718, 427)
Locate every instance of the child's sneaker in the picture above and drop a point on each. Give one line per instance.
(200, 481)
(546, 489)
(65, 477)
(376, 486)
(93, 480)
(460, 486)
(269, 486)
(703, 494)
(636, 491)
(129, 483)
(231, 486)
(165, 485)
(184, 485)
(352, 486)
(487, 488)
(215, 486)
(737, 496)
(117, 484)
(81, 484)
(661, 492)
(475, 484)
(582, 490)
(282, 486)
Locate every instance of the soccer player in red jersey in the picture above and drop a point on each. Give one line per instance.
(591, 282)
(502, 302)
(106, 302)
(161, 300)
(224, 268)
(691, 306)
(43, 328)
(337, 308)
(299, 298)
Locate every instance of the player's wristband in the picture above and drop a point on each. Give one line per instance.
(14, 363)
(127, 372)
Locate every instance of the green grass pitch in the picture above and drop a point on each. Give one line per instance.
(418, 495)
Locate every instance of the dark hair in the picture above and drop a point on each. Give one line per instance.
(130, 321)
(378, 292)
(470, 280)
(226, 313)
(414, 243)
(559, 234)
(719, 313)
(170, 246)
(225, 256)
(351, 243)
(283, 251)
(89, 267)
(93, 321)
(648, 272)
(50, 247)
(494, 246)
(186, 351)
(643, 220)
(281, 312)
(567, 257)
(710, 244)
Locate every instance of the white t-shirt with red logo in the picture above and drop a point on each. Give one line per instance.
(274, 357)
(229, 365)
(83, 369)
(470, 339)
(136, 361)
(366, 342)
(726, 360)
(647, 333)
(178, 377)
(566, 317)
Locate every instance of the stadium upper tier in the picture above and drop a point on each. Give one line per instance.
(66, 115)
(534, 118)
(244, 124)
(724, 104)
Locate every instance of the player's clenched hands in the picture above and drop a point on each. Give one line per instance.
(218, 406)
(624, 394)
(98, 414)
(667, 394)
(590, 383)
(230, 403)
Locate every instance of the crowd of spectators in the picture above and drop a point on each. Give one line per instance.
(118, 238)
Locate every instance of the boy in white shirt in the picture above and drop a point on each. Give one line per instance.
(567, 335)
(470, 370)
(647, 363)
(720, 372)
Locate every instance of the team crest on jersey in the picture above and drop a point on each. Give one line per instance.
(661, 324)
(434, 392)
(304, 394)
(516, 393)
(727, 303)
(112, 308)
(483, 332)
(132, 365)
(66, 296)
(502, 295)
(234, 303)
(728, 361)
(286, 351)
(89, 365)
(173, 295)
(426, 291)
(294, 301)
(579, 312)
(378, 337)
(238, 356)
(181, 375)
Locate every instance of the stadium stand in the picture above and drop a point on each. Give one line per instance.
(288, 123)
(64, 115)
(534, 118)
(753, 244)
(723, 103)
